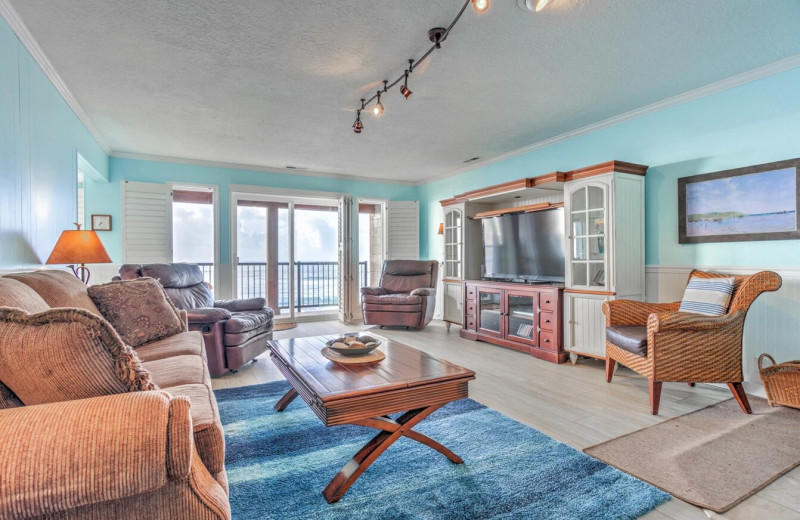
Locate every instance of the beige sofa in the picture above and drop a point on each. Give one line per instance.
(142, 454)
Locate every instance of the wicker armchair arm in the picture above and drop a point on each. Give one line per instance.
(692, 322)
(630, 312)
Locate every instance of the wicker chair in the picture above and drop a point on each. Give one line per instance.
(682, 347)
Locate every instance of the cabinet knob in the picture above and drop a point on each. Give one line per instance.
(547, 341)
(547, 301)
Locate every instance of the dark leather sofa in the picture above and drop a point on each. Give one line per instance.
(234, 331)
(406, 296)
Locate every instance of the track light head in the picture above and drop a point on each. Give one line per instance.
(533, 5)
(358, 126)
(404, 89)
(378, 108)
(480, 6)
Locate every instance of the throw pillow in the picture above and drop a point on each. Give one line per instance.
(708, 296)
(64, 354)
(138, 309)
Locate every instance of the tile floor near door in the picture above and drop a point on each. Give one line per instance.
(571, 403)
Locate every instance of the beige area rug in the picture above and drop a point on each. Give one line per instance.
(715, 457)
(283, 326)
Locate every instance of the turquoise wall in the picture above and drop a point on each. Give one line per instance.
(751, 124)
(105, 197)
(40, 138)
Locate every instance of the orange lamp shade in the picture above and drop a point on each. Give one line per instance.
(79, 247)
(441, 228)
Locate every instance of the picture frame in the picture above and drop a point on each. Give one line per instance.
(101, 222)
(743, 204)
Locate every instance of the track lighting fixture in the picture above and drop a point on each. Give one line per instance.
(480, 6)
(378, 108)
(533, 5)
(437, 36)
(404, 89)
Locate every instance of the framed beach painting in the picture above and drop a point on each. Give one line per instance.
(753, 203)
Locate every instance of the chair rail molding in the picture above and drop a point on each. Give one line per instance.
(773, 322)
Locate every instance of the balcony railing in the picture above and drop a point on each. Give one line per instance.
(316, 283)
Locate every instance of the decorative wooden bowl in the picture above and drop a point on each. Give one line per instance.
(363, 344)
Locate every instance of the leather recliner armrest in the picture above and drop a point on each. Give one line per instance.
(424, 291)
(208, 315)
(249, 304)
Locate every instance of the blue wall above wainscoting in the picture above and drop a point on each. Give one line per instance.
(40, 139)
(750, 124)
(105, 197)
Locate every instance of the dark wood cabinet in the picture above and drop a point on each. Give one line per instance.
(527, 318)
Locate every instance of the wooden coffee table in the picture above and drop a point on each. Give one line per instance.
(408, 381)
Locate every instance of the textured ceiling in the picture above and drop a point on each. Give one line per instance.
(275, 83)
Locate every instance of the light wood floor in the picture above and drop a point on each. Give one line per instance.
(572, 404)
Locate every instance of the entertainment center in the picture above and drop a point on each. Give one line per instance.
(529, 263)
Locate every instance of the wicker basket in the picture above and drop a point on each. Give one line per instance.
(781, 381)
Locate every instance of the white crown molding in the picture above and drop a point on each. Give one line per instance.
(734, 81)
(14, 21)
(785, 272)
(253, 167)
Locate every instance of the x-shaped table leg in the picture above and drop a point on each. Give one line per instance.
(391, 430)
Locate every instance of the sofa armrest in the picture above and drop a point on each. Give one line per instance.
(249, 304)
(208, 315)
(376, 291)
(59, 456)
(184, 319)
(424, 291)
(631, 312)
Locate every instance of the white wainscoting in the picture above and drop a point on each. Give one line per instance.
(773, 322)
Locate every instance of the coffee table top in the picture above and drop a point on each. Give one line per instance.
(404, 367)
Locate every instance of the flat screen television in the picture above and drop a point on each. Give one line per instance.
(525, 246)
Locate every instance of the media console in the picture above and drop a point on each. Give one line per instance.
(522, 317)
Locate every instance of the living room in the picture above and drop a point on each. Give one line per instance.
(245, 139)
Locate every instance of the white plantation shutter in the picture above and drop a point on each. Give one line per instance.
(346, 280)
(402, 230)
(146, 222)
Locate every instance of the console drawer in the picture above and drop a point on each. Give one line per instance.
(470, 325)
(547, 302)
(471, 292)
(547, 340)
(547, 321)
(470, 308)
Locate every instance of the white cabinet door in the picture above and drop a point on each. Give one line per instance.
(585, 328)
(453, 302)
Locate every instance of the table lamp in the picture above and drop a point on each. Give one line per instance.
(79, 247)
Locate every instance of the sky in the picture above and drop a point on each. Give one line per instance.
(765, 192)
(316, 234)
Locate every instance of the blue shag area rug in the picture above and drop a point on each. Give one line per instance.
(279, 463)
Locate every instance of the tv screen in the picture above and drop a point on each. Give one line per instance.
(525, 246)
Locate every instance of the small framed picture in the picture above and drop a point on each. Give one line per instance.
(101, 222)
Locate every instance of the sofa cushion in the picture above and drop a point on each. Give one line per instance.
(57, 288)
(185, 343)
(8, 399)
(176, 370)
(14, 293)
(65, 354)
(208, 436)
(138, 309)
(247, 321)
(392, 299)
(392, 308)
(632, 338)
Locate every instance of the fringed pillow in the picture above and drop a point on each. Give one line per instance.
(139, 310)
(708, 296)
(65, 354)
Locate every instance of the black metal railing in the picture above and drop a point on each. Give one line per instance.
(316, 283)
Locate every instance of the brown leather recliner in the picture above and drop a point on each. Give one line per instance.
(406, 297)
(234, 331)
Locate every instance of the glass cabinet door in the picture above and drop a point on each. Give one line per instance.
(521, 311)
(587, 235)
(453, 247)
(490, 313)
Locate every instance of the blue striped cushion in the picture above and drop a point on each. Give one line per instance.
(709, 296)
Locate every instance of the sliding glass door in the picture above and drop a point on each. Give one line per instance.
(287, 252)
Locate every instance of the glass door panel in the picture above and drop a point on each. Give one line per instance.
(521, 317)
(316, 264)
(490, 315)
(587, 237)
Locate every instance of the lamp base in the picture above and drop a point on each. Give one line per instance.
(81, 272)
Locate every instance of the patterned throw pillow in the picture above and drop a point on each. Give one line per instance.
(139, 310)
(709, 296)
(65, 354)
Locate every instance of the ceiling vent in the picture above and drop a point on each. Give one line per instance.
(473, 159)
